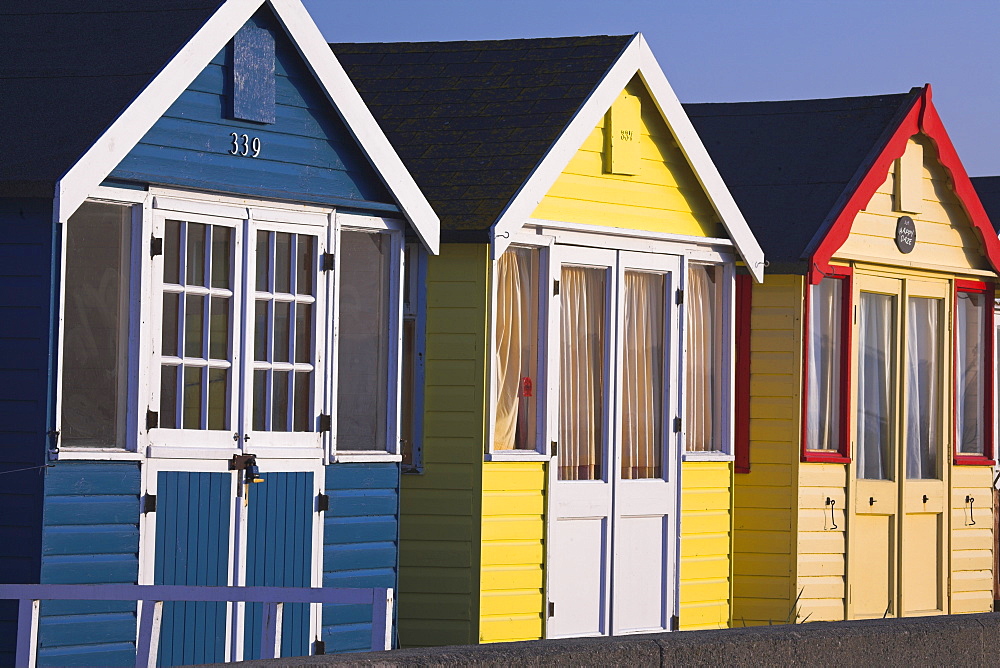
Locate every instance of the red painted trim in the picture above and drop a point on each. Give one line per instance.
(744, 299)
(922, 117)
(843, 453)
(987, 458)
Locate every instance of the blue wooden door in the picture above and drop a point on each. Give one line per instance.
(279, 554)
(193, 517)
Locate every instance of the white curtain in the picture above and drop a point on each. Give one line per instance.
(642, 375)
(515, 348)
(969, 356)
(701, 358)
(581, 374)
(923, 388)
(875, 349)
(823, 392)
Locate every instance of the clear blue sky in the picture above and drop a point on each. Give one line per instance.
(735, 50)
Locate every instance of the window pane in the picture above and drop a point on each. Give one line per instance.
(823, 392)
(168, 397)
(194, 323)
(515, 354)
(303, 333)
(95, 342)
(259, 400)
(279, 401)
(172, 252)
(305, 265)
(192, 397)
(876, 350)
(171, 307)
(642, 399)
(282, 333)
(303, 401)
(222, 252)
(363, 347)
(970, 348)
(581, 391)
(260, 331)
(196, 254)
(923, 387)
(282, 262)
(219, 340)
(263, 261)
(218, 393)
(701, 365)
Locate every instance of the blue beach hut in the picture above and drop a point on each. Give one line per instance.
(202, 242)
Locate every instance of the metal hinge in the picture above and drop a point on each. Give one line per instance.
(680, 296)
(326, 262)
(675, 622)
(554, 447)
(555, 287)
(149, 503)
(152, 420)
(677, 425)
(319, 647)
(552, 609)
(322, 503)
(325, 422)
(155, 246)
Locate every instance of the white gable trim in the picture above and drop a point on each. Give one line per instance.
(637, 58)
(131, 126)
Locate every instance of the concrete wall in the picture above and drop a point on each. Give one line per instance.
(965, 640)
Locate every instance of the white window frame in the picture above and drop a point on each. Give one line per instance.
(394, 229)
(725, 345)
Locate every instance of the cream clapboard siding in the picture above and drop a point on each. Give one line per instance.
(821, 568)
(706, 545)
(945, 238)
(972, 545)
(664, 197)
(765, 518)
(440, 509)
(513, 532)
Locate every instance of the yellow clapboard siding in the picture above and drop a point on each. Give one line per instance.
(821, 610)
(820, 564)
(830, 543)
(970, 602)
(761, 541)
(972, 581)
(821, 587)
(440, 509)
(944, 235)
(664, 197)
(513, 555)
(764, 452)
(777, 519)
(756, 562)
(770, 587)
(706, 544)
(752, 611)
(972, 544)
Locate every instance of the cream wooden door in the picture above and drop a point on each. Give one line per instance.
(898, 524)
(613, 492)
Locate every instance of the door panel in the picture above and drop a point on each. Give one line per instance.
(193, 548)
(641, 580)
(874, 579)
(922, 563)
(578, 580)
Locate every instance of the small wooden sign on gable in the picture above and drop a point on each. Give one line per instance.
(253, 75)
(623, 148)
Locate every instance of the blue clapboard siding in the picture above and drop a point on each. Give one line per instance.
(193, 512)
(279, 554)
(28, 242)
(307, 154)
(360, 545)
(90, 536)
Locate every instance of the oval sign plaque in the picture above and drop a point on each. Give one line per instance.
(906, 234)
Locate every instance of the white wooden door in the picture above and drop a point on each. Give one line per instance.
(612, 495)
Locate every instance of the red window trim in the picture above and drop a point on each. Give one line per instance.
(987, 458)
(842, 455)
(744, 298)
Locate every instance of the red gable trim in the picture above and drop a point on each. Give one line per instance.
(923, 117)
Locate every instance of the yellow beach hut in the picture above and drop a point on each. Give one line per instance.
(572, 347)
(866, 490)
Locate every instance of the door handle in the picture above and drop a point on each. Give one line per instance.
(972, 517)
(872, 500)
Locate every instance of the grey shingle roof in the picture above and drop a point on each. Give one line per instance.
(471, 120)
(788, 163)
(68, 68)
(988, 189)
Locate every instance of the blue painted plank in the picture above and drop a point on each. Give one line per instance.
(355, 638)
(84, 478)
(368, 578)
(90, 569)
(95, 629)
(357, 557)
(364, 503)
(346, 615)
(362, 476)
(86, 510)
(121, 654)
(347, 530)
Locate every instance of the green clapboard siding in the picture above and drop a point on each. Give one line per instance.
(440, 525)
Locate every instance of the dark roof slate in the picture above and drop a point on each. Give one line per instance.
(988, 189)
(472, 119)
(789, 163)
(68, 68)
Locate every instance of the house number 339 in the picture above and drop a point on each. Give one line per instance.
(248, 147)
